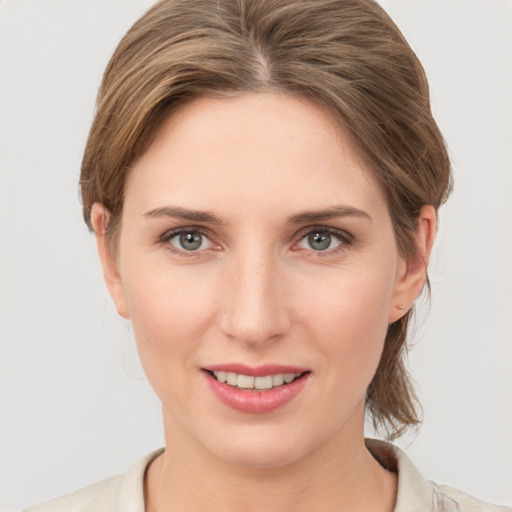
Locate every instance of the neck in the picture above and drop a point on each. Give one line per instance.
(340, 475)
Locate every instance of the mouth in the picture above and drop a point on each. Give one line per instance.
(257, 390)
(259, 383)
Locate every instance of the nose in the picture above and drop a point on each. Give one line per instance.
(255, 307)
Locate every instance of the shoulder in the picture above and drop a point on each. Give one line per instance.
(123, 493)
(416, 494)
(447, 498)
(100, 497)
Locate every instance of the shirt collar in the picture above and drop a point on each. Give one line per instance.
(414, 492)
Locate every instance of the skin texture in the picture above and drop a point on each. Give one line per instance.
(256, 292)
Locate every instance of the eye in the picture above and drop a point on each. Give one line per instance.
(322, 240)
(190, 240)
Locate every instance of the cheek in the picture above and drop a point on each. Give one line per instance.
(160, 295)
(349, 298)
(348, 318)
(171, 312)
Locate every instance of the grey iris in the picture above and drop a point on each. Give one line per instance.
(191, 241)
(319, 241)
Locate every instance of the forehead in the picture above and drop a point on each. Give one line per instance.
(257, 150)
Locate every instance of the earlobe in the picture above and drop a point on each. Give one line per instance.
(99, 220)
(413, 272)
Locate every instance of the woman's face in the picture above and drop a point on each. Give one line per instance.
(254, 244)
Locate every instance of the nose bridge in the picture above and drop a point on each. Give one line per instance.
(254, 308)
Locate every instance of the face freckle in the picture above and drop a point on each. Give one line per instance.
(278, 250)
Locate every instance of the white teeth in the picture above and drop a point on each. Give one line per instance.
(260, 383)
(245, 382)
(266, 382)
(231, 378)
(278, 379)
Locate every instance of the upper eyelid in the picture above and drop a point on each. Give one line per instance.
(344, 238)
(166, 237)
(298, 236)
(171, 233)
(302, 233)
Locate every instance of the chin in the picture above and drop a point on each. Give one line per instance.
(264, 448)
(260, 457)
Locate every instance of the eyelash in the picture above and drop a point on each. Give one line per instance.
(345, 239)
(169, 235)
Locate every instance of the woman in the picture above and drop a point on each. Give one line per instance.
(263, 180)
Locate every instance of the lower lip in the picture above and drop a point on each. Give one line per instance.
(256, 402)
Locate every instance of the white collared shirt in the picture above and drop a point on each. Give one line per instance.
(125, 493)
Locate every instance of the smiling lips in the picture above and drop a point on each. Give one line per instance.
(249, 382)
(256, 390)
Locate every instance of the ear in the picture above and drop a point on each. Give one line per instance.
(99, 220)
(412, 273)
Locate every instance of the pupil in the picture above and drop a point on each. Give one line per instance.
(191, 241)
(320, 241)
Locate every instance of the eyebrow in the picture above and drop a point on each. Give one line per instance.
(185, 214)
(329, 213)
(210, 218)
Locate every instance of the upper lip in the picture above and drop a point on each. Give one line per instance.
(255, 371)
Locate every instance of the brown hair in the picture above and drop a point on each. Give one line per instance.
(345, 55)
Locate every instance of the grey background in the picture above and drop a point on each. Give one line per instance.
(75, 406)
